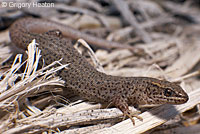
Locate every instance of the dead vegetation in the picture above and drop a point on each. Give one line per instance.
(165, 37)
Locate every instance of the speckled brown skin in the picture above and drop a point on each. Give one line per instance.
(85, 80)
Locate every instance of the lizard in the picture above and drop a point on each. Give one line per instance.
(83, 79)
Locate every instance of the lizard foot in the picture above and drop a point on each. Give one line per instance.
(122, 104)
(130, 114)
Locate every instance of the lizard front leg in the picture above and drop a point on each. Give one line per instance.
(122, 104)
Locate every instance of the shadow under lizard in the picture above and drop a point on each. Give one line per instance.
(83, 79)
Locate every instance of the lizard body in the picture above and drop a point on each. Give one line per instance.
(85, 80)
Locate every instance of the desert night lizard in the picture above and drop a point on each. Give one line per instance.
(83, 79)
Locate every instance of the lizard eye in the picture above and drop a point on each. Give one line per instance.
(168, 92)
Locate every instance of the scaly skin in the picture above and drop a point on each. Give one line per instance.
(84, 80)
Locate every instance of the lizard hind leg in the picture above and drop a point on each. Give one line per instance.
(121, 103)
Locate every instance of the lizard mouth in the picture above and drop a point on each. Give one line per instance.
(160, 100)
(157, 100)
(174, 100)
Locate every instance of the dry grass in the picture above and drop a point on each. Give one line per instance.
(33, 100)
(17, 87)
(19, 115)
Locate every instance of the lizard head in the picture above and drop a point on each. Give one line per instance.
(154, 92)
(164, 92)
